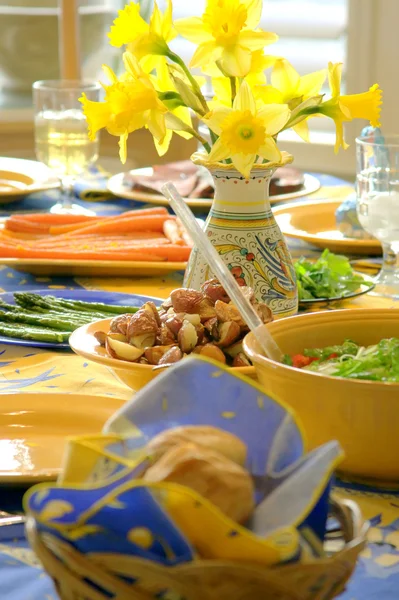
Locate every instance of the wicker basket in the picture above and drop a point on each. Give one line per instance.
(204, 580)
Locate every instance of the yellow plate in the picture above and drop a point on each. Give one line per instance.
(20, 177)
(91, 268)
(116, 186)
(314, 222)
(34, 428)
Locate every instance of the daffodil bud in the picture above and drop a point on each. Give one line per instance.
(173, 122)
(172, 100)
(188, 95)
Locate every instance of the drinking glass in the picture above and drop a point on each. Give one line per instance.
(61, 139)
(377, 187)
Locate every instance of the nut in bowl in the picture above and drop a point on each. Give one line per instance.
(202, 322)
(362, 414)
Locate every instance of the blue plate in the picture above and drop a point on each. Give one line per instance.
(85, 295)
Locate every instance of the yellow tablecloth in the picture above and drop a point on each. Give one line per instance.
(30, 369)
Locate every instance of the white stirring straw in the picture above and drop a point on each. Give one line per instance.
(251, 318)
(69, 41)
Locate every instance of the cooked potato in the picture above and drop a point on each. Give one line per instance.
(204, 322)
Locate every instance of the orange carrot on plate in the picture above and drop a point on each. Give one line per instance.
(29, 253)
(173, 232)
(127, 225)
(70, 227)
(52, 219)
(24, 226)
(111, 244)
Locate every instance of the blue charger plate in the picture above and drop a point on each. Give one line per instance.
(114, 298)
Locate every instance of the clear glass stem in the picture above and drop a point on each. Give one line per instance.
(387, 280)
(66, 203)
(67, 192)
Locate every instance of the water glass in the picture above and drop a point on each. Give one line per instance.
(377, 186)
(61, 139)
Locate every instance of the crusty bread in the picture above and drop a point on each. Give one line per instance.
(215, 477)
(202, 435)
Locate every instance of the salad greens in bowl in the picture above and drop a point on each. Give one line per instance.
(329, 278)
(378, 362)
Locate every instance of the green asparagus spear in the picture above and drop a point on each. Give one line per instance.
(38, 334)
(54, 322)
(5, 306)
(91, 306)
(31, 301)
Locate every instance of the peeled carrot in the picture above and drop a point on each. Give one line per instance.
(111, 245)
(24, 226)
(172, 232)
(52, 219)
(66, 228)
(133, 255)
(16, 235)
(49, 242)
(144, 223)
(59, 224)
(186, 238)
(141, 237)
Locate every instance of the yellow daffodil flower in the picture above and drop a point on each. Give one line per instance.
(163, 83)
(143, 39)
(225, 33)
(256, 75)
(345, 108)
(131, 102)
(259, 63)
(288, 87)
(291, 85)
(222, 85)
(246, 130)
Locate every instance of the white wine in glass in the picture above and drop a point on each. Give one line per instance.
(61, 139)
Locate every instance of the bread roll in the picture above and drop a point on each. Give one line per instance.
(218, 479)
(202, 435)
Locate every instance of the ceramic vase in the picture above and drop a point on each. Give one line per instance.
(243, 229)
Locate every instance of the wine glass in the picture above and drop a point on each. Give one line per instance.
(377, 185)
(61, 139)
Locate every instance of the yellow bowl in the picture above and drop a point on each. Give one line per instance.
(134, 375)
(362, 415)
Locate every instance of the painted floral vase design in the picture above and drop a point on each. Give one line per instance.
(244, 231)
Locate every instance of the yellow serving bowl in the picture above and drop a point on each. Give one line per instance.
(362, 415)
(134, 375)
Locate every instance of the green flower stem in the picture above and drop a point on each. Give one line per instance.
(213, 136)
(204, 143)
(191, 79)
(200, 139)
(233, 85)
